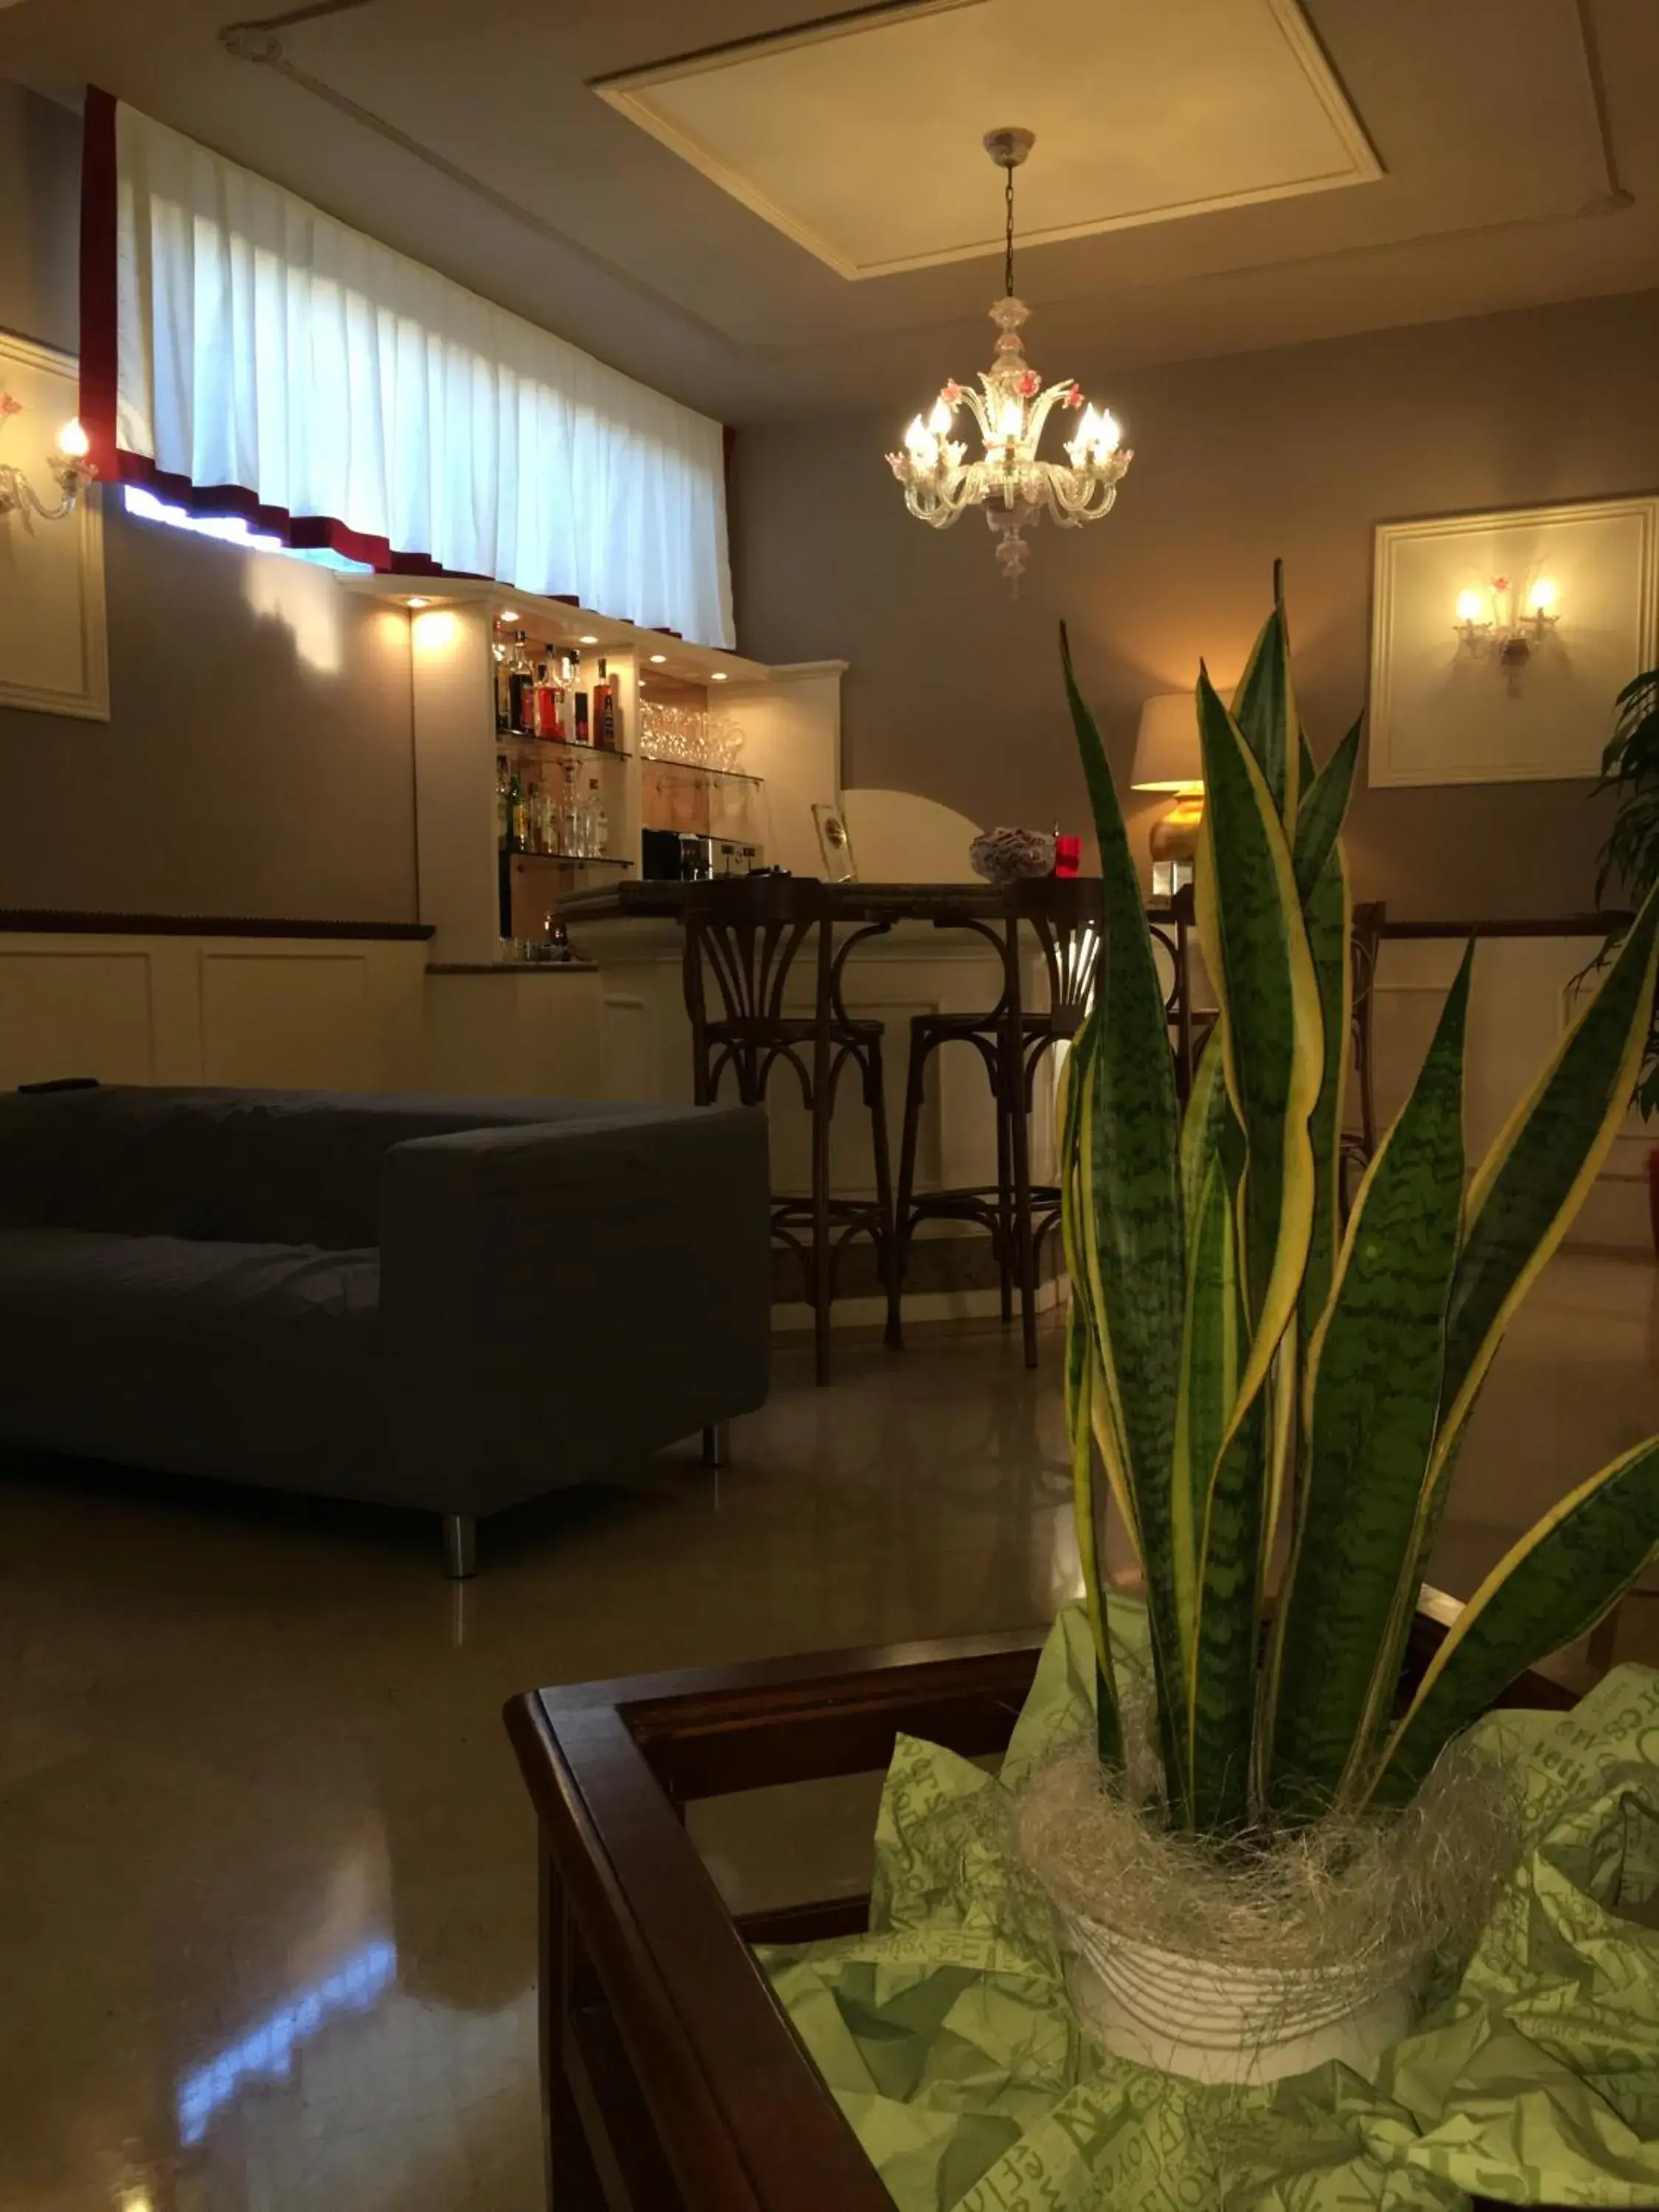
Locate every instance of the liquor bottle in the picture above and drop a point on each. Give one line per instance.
(569, 825)
(605, 711)
(515, 814)
(598, 825)
(546, 713)
(579, 730)
(498, 650)
(521, 689)
(501, 803)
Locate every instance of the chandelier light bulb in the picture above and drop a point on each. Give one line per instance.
(1011, 483)
(1470, 607)
(72, 439)
(1542, 599)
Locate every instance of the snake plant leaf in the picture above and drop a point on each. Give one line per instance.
(1256, 950)
(1555, 1584)
(1264, 708)
(1519, 1205)
(1080, 1368)
(1208, 1111)
(1209, 1373)
(1255, 947)
(1102, 1408)
(1226, 1638)
(1543, 1162)
(1131, 1227)
(1324, 804)
(1372, 1398)
(1328, 915)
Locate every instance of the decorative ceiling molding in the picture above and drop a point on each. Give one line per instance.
(1292, 130)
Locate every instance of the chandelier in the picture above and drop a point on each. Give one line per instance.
(1011, 483)
(70, 469)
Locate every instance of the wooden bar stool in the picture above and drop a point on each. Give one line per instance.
(747, 934)
(1064, 918)
(1013, 1041)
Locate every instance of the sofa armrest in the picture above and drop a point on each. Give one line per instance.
(560, 1297)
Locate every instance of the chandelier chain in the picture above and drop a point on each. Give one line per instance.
(1008, 244)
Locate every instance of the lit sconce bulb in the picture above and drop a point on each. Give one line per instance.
(1471, 607)
(73, 441)
(1542, 599)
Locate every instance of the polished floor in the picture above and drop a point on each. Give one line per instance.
(266, 1873)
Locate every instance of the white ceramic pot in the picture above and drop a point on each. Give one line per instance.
(1214, 2023)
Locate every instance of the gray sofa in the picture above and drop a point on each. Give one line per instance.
(451, 1303)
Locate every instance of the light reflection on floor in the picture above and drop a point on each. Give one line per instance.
(266, 2052)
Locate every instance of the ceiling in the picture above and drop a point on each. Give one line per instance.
(1218, 103)
(801, 225)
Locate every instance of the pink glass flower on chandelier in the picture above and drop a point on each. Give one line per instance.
(1074, 397)
(1030, 385)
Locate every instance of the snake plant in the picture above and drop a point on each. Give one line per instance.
(1273, 1394)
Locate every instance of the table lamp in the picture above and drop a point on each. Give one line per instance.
(1167, 758)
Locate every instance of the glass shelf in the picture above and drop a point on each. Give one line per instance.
(574, 859)
(512, 741)
(702, 768)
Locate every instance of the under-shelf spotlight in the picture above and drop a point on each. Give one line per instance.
(587, 641)
(413, 604)
(657, 660)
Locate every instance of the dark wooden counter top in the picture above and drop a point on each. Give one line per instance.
(51, 921)
(925, 902)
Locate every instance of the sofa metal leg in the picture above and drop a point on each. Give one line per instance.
(461, 1545)
(717, 1443)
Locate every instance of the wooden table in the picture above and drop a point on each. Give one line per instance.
(667, 2066)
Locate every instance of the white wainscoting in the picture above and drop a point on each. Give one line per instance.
(308, 1013)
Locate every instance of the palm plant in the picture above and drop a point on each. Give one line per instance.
(1629, 766)
(1235, 1357)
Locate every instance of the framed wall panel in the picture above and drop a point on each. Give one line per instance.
(1443, 712)
(54, 656)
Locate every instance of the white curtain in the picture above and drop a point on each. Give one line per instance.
(265, 345)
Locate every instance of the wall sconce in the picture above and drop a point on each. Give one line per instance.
(1167, 758)
(71, 471)
(1491, 622)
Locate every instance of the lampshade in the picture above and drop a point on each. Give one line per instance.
(1167, 756)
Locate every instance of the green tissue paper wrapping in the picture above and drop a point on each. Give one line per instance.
(947, 2039)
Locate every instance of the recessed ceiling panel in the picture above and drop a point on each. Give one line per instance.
(861, 139)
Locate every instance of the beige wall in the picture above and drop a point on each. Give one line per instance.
(259, 759)
(953, 690)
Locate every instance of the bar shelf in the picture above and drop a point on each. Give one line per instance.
(702, 767)
(514, 741)
(575, 860)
